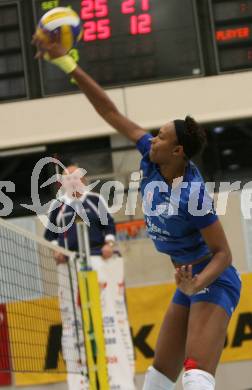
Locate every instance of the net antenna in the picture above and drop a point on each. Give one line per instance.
(66, 246)
(90, 302)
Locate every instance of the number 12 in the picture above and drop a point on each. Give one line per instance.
(140, 24)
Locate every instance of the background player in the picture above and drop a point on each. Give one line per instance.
(195, 325)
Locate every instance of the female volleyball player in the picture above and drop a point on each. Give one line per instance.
(208, 287)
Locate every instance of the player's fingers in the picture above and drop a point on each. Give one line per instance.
(37, 55)
(45, 45)
(179, 272)
(189, 271)
(55, 37)
(177, 276)
(33, 41)
(36, 40)
(195, 277)
(186, 272)
(183, 271)
(61, 260)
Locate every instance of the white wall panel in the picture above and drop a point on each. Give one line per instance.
(71, 117)
(208, 99)
(52, 119)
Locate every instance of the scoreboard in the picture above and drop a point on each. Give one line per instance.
(126, 42)
(129, 41)
(232, 33)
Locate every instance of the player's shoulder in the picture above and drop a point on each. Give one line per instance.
(193, 183)
(196, 192)
(194, 174)
(194, 178)
(144, 143)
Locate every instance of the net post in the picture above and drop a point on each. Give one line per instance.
(91, 314)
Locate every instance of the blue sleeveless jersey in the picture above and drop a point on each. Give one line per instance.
(174, 215)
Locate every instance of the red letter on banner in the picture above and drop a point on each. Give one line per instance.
(5, 369)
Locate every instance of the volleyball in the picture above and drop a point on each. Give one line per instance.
(63, 21)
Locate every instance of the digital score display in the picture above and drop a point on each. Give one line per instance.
(129, 41)
(232, 32)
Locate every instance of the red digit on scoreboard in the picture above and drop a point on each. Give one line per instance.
(87, 9)
(128, 7)
(93, 8)
(144, 25)
(134, 25)
(99, 29)
(145, 5)
(101, 8)
(140, 24)
(103, 29)
(95, 29)
(89, 31)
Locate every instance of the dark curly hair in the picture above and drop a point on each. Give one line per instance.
(195, 137)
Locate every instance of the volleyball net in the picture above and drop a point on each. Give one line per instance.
(67, 318)
(36, 298)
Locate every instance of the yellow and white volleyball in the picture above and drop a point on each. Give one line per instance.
(62, 21)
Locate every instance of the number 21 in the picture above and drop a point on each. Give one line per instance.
(128, 6)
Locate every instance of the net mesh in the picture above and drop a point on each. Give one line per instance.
(36, 298)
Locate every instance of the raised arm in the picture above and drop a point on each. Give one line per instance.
(105, 107)
(95, 94)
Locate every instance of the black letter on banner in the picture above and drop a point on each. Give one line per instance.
(244, 320)
(140, 343)
(53, 347)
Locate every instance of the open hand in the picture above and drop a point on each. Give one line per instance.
(185, 280)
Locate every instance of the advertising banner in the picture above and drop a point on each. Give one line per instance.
(147, 306)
